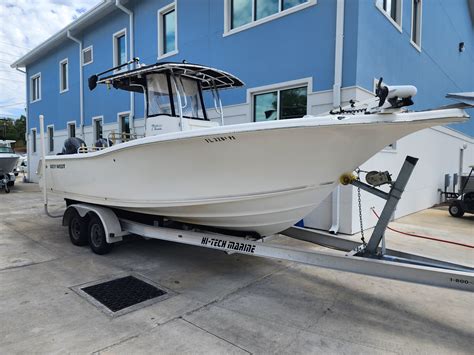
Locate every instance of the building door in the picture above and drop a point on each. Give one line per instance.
(98, 129)
(71, 130)
(125, 127)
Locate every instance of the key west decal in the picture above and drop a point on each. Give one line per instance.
(224, 244)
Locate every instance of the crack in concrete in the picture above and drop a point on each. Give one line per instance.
(217, 336)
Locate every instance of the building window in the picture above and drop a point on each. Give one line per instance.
(167, 31)
(51, 138)
(98, 128)
(243, 12)
(124, 124)
(71, 129)
(87, 55)
(416, 23)
(120, 47)
(280, 104)
(392, 9)
(63, 75)
(33, 140)
(35, 88)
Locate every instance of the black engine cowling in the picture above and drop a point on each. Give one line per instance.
(71, 145)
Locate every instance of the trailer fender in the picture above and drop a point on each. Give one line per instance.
(109, 219)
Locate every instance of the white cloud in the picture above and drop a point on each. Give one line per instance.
(24, 25)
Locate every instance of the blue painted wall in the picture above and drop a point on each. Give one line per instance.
(291, 47)
(438, 69)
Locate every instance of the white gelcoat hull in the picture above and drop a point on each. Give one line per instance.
(8, 162)
(260, 177)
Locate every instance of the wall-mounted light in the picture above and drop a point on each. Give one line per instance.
(461, 47)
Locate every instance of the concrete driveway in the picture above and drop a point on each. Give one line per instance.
(221, 303)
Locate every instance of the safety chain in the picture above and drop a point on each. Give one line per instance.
(358, 171)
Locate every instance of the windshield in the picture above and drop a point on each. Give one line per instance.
(160, 102)
(6, 150)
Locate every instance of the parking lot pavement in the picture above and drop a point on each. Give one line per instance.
(221, 303)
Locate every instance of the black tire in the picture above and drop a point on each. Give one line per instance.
(97, 238)
(77, 227)
(7, 188)
(456, 210)
(10, 183)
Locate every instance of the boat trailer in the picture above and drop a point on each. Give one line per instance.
(100, 227)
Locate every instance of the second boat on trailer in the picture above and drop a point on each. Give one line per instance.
(258, 178)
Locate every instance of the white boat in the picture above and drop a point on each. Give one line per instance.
(258, 177)
(8, 162)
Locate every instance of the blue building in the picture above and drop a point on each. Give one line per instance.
(319, 53)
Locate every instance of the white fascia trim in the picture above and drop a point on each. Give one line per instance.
(117, 34)
(34, 76)
(61, 90)
(227, 17)
(397, 25)
(97, 10)
(159, 18)
(453, 133)
(91, 48)
(420, 25)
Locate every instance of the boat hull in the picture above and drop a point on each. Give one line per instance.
(8, 163)
(260, 179)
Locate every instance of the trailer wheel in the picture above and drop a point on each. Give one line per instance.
(456, 210)
(97, 239)
(77, 229)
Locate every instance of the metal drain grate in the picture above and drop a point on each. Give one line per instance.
(123, 292)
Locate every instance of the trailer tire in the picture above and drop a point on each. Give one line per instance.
(97, 238)
(455, 209)
(77, 227)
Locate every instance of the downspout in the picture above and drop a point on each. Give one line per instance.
(27, 130)
(336, 95)
(132, 55)
(81, 82)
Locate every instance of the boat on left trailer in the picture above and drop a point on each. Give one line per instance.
(8, 163)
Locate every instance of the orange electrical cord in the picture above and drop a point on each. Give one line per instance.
(425, 237)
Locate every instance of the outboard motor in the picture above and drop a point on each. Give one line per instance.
(102, 142)
(71, 145)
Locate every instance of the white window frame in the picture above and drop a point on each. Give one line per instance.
(119, 121)
(160, 14)
(61, 63)
(116, 35)
(50, 137)
(228, 20)
(252, 92)
(94, 130)
(398, 25)
(69, 124)
(91, 48)
(33, 140)
(419, 23)
(32, 78)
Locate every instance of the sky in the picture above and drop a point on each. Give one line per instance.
(24, 24)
